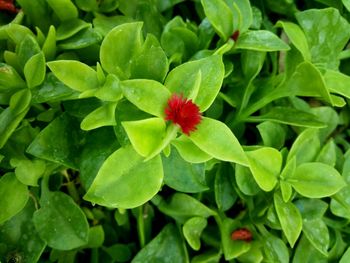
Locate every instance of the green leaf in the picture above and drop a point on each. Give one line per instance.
(346, 256)
(308, 81)
(76, 75)
(337, 83)
(96, 237)
(286, 190)
(148, 95)
(65, 148)
(217, 140)
(289, 217)
(38, 12)
(111, 89)
(272, 134)
(145, 135)
(317, 233)
(311, 208)
(100, 143)
(12, 116)
(316, 180)
(49, 46)
(328, 154)
(225, 195)
(13, 196)
(102, 116)
(189, 151)
(9, 78)
(289, 116)
(305, 147)
(70, 27)
(184, 80)
(27, 48)
(327, 32)
(192, 230)
(245, 180)
(232, 248)
(260, 40)
(85, 38)
(34, 70)
(275, 250)
(183, 176)
(64, 9)
(297, 37)
(151, 62)
(307, 253)
(246, 14)
(253, 255)
(119, 252)
(19, 234)
(220, 17)
(182, 207)
(265, 164)
(61, 223)
(28, 172)
(167, 242)
(136, 181)
(118, 48)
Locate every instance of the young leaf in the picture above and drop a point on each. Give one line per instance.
(34, 70)
(145, 135)
(305, 147)
(148, 95)
(217, 140)
(102, 116)
(192, 230)
(183, 80)
(265, 164)
(136, 181)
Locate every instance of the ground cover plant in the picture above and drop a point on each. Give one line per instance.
(174, 131)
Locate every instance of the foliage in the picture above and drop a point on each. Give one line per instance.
(98, 160)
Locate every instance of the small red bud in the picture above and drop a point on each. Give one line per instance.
(235, 35)
(242, 234)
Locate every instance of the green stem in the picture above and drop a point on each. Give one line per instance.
(141, 227)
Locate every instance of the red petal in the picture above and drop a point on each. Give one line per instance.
(183, 112)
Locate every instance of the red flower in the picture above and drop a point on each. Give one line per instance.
(8, 5)
(183, 112)
(242, 234)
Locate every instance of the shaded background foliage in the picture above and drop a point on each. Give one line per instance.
(83, 86)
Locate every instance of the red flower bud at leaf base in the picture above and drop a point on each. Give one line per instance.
(8, 5)
(235, 35)
(183, 112)
(242, 234)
